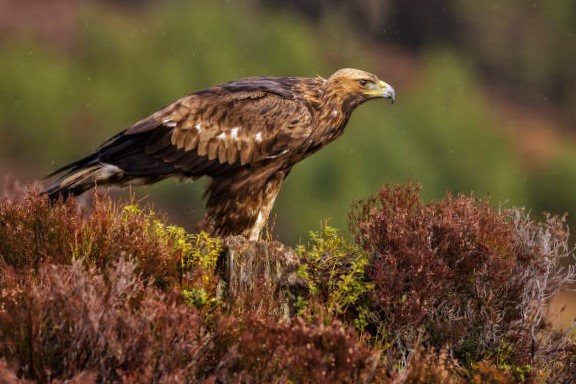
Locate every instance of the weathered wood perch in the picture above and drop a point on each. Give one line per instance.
(260, 276)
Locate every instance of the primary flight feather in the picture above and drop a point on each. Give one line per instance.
(246, 135)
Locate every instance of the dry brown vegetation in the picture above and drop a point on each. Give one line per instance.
(449, 291)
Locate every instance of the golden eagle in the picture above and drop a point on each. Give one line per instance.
(246, 135)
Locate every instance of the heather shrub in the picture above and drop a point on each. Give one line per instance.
(563, 363)
(457, 273)
(266, 351)
(70, 320)
(112, 294)
(429, 367)
(8, 376)
(449, 291)
(33, 231)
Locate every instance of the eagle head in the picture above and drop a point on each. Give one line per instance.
(354, 86)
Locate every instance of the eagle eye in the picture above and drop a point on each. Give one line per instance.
(363, 82)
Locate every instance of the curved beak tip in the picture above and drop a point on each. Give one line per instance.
(389, 93)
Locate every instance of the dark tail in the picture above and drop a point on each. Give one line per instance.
(122, 160)
(80, 176)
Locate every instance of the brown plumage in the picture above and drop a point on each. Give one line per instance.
(246, 135)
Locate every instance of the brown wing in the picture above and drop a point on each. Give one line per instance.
(208, 131)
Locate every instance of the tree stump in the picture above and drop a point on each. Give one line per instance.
(260, 276)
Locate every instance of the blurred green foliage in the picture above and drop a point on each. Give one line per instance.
(56, 106)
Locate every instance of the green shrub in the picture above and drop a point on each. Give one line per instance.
(335, 271)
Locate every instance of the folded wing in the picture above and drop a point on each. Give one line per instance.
(208, 133)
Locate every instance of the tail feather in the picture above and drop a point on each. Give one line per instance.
(73, 184)
(80, 176)
(122, 160)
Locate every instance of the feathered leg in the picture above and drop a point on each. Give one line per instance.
(240, 203)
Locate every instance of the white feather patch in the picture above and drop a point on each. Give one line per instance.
(169, 123)
(109, 170)
(255, 231)
(234, 132)
(279, 154)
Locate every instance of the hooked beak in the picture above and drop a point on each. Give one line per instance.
(387, 91)
(382, 89)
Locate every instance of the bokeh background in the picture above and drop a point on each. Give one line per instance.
(486, 92)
